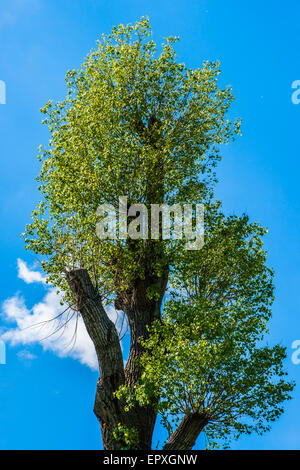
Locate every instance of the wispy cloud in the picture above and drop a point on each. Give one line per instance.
(65, 335)
(12, 11)
(26, 356)
(28, 275)
(49, 323)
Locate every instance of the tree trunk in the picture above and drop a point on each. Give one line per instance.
(103, 333)
(140, 312)
(110, 411)
(185, 436)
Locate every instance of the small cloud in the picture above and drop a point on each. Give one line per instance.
(25, 355)
(15, 10)
(28, 275)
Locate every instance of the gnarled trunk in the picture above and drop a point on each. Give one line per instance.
(103, 333)
(185, 436)
(141, 313)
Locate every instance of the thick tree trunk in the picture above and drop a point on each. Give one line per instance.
(185, 436)
(102, 331)
(109, 410)
(140, 312)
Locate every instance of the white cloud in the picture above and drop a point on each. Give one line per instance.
(62, 333)
(65, 336)
(25, 355)
(15, 308)
(28, 275)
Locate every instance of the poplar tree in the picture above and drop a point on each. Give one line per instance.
(137, 123)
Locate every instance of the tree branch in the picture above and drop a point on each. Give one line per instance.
(104, 335)
(185, 436)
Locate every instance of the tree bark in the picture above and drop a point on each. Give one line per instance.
(185, 436)
(103, 333)
(140, 312)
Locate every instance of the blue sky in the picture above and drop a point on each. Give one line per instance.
(46, 401)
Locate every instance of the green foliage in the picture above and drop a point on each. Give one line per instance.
(135, 122)
(207, 354)
(128, 438)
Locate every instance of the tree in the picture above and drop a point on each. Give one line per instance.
(137, 123)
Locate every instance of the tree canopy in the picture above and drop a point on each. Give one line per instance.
(137, 123)
(132, 124)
